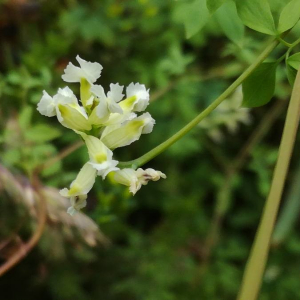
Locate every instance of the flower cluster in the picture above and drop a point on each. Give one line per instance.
(105, 122)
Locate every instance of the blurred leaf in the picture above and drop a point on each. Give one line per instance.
(230, 22)
(291, 74)
(294, 61)
(42, 133)
(193, 15)
(278, 5)
(289, 16)
(25, 117)
(259, 87)
(53, 169)
(176, 62)
(213, 5)
(257, 15)
(11, 157)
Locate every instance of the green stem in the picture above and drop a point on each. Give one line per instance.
(182, 132)
(290, 212)
(256, 263)
(283, 42)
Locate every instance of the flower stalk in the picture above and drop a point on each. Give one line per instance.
(256, 263)
(169, 142)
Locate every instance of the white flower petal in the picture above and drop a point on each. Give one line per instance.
(72, 117)
(149, 123)
(83, 182)
(102, 109)
(120, 135)
(98, 91)
(141, 94)
(72, 73)
(91, 70)
(135, 179)
(106, 167)
(129, 178)
(90, 101)
(77, 203)
(87, 70)
(46, 106)
(114, 107)
(115, 93)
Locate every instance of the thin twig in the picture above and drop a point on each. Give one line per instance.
(27, 247)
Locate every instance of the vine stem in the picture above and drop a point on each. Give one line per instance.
(257, 260)
(178, 135)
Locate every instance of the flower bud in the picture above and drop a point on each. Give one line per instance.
(135, 179)
(79, 188)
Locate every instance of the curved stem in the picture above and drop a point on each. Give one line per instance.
(25, 249)
(256, 263)
(182, 132)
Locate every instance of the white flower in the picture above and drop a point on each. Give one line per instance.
(135, 179)
(79, 188)
(47, 105)
(77, 203)
(108, 104)
(69, 113)
(100, 156)
(65, 106)
(87, 70)
(105, 122)
(120, 135)
(137, 98)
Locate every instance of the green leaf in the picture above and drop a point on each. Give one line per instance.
(25, 117)
(278, 5)
(193, 15)
(291, 74)
(259, 87)
(257, 15)
(294, 61)
(213, 5)
(42, 133)
(230, 22)
(289, 16)
(11, 157)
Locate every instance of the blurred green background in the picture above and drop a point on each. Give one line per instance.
(186, 237)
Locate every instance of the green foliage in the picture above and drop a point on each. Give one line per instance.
(41, 133)
(289, 16)
(294, 61)
(258, 88)
(213, 5)
(292, 64)
(291, 74)
(158, 238)
(230, 22)
(194, 15)
(257, 15)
